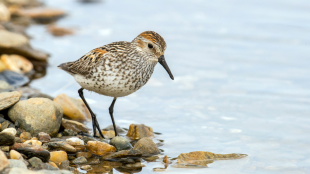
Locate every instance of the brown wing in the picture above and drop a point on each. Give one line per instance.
(85, 63)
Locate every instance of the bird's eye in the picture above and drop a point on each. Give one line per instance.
(150, 46)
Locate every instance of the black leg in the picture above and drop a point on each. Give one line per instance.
(94, 119)
(111, 114)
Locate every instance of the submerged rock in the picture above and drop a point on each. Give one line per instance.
(147, 147)
(32, 151)
(125, 154)
(202, 158)
(17, 63)
(58, 156)
(4, 162)
(37, 115)
(6, 139)
(73, 108)
(120, 143)
(7, 99)
(74, 125)
(79, 160)
(99, 148)
(58, 31)
(138, 131)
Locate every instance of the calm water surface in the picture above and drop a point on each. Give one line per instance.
(242, 76)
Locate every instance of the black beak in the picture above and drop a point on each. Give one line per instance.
(162, 61)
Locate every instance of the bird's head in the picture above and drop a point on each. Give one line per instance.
(153, 45)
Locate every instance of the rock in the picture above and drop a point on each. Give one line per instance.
(151, 158)
(61, 146)
(138, 131)
(35, 162)
(79, 160)
(44, 137)
(6, 139)
(73, 108)
(25, 171)
(120, 143)
(32, 151)
(4, 162)
(58, 156)
(17, 63)
(17, 164)
(202, 158)
(147, 147)
(118, 128)
(5, 148)
(33, 112)
(84, 154)
(28, 92)
(5, 14)
(58, 31)
(8, 99)
(86, 139)
(75, 141)
(4, 85)
(13, 78)
(15, 155)
(69, 132)
(43, 15)
(53, 164)
(3, 66)
(125, 154)
(24, 136)
(18, 140)
(10, 130)
(74, 125)
(86, 167)
(5, 124)
(15, 43)
(33, 142)
(108, 134)
(64, 165)
(99, 148)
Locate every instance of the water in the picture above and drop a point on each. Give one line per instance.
(241, 76)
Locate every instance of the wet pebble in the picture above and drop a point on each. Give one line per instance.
(32, 151)
(74, 125)
(58, 156)
(124, 154)
(99, 148)
(61, 146)
(7, 99)
(108, 134)
(147, 147)
(120, 143)
(33, 112)
(79, 160)
(10, 130)
(44, 137)
(73, 108)
(6, 139)
(138, 131)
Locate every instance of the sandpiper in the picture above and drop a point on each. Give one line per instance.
(118, 69)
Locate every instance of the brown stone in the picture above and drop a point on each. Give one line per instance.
(43, 15)
(33, 142)
(4, 162)
(74, 125)
(108, 134)
(73, 108)
(99, 148)
(32, 151)
(147, 147)
(24, 136)
(6, 139)
(61, 146)
(44, 137)
(17, 63)
(7, 99)
(59, 31)
(37, 115)
(138, 131)
(53, 164)
(124, 154)
(202, 158)
(58, 156)
(84, 154)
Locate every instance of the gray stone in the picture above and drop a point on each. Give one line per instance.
(35, 162)
(79, 160)
(7, 99)
(64, 165)
(6, 139)
(87, 138)
(17, 164)
(118, 128)
(44, 137)
(37, 115)
(5, 86)
(13, 78)
(69, 132)
(147, 147)
(120, 143)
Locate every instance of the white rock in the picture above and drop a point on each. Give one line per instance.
(10, 130)
(75, 141)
